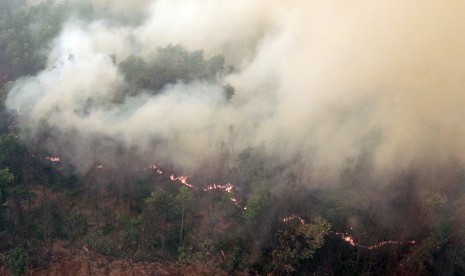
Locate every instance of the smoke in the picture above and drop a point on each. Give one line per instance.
(325, 79)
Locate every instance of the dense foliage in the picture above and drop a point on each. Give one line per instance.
(127, 212)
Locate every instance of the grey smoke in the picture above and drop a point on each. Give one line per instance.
(317, 78)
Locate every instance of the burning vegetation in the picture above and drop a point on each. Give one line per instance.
(252, 137)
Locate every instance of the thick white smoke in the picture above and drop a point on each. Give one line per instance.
(322, 78)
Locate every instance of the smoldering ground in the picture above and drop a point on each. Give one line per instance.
(323, 79)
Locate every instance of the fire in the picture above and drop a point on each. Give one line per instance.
(293, 217)
(183, 180)
(54, 159)
(235, 202)
(350, 240)
(227, 187)
(156, 169)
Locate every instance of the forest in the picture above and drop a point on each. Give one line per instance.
(164, 156)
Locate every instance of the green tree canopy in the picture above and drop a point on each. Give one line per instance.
(169, 65)
(299, 243)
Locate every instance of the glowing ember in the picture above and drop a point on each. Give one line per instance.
(227, 187)
(156, 169)
(152, 167)
(293, 217)
(54, 159)
(350, 240)
(183, 180)
(235, 202)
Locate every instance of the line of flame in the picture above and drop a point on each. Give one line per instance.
(349, 239)
(183, 180)
(293, 217)
(229, 187)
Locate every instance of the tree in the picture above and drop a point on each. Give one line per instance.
(169, 65)
(237, 260)
(25, 30)
(298, 244)
(19, 193)
(74, 225)
(50, 224)
(131, 233)
(204, 252)
(185, 200)
(6, 178)
(260, 198)
(11, 154)
(18, 261)
(159, 207)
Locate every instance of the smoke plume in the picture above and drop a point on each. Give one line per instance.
(323, 79)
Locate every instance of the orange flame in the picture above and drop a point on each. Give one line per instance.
(350, 240)
(183, 180)
(227, 187)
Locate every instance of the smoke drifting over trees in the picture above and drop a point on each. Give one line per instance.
(298, 129)
(320, 78)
